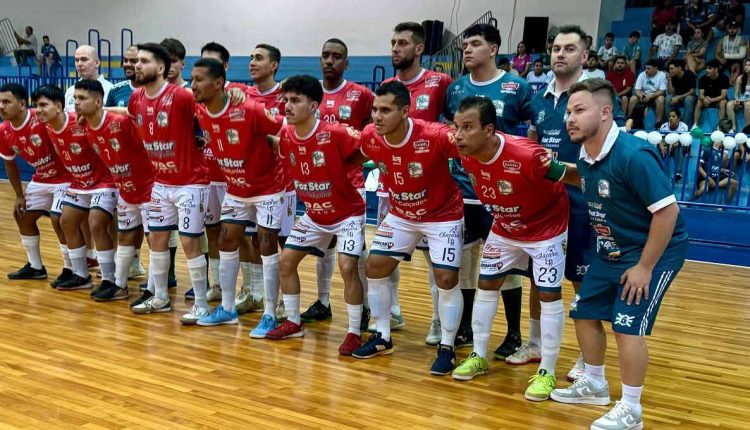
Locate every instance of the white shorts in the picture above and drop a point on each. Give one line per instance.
(289, 210)
(502, 256)
(181, 208)
(104, 200)
(397, 238)
(46, 198)
(216, 193)
(384, 207)
(265, 211)
(131, 216)
(314, 238)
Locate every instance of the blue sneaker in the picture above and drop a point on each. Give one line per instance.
(190, 294)
(445, 361)
(375, 345)
(219, 316)
(266, 324)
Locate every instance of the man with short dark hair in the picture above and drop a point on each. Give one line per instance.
(666, 46)
(650, 88)
(592, 67)
(622, 79)
(177, 54)
(681, 86)
(607, 52)
(731, 51)
(537, 79)
(632, 52)
(712, 91)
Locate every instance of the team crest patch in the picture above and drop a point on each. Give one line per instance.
(415, 170)
(75, 148)
(161, 119)
(423, 102)
(233, 136)
(96, 148)
(35, 140)
(583, 185)
(318, 158)
(499, 107)
(115, 144)
(345, 112)
(604, 188)
(540, 117)
(505, 187)
(140, 120)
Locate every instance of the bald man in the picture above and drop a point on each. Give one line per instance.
(87, 65)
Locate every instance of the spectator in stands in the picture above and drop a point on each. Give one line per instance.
(608, 52)
(695, 55)
(650, 88)
(731, 50)
(537, 78)
(729, 11)
(637, 120)
(632, 52)
(664, 12)
(50, 57)
(590, 42)
(504, 64)
(712, 89)
(592, 67)
(714, 169)
(741, 97)
(546, 57)
(666, 46)
(521, 62)
(681, 89)
(87, 65)
(674, 123)
(623, 80)
(701, 15)
(27, 47)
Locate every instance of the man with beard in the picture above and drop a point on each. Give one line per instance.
(119, 95)
(623, 79)
(87, 65)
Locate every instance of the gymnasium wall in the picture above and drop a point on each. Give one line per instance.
(298, 27)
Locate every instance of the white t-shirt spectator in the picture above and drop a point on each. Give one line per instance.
(70, 100)
(607, 54)
(651, 84)
(533, 79)
(32, 45)
(681, 128)
(665, 44)
(596, 73)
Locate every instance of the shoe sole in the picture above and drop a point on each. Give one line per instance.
(80, 287)
(533, 360)
(432, 342)
(580, 401)
(638, 426)
(436, 373)
(535, 399)
(187, 321)
(257, 336)
(28, 278)
(383, 352)
(154, 311)
(289, 336)
(468, 377)
(229, 322)
(398, 326)
(99, 299)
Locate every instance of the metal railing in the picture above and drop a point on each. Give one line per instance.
(8, 42)
(124, 47)
(449, 59)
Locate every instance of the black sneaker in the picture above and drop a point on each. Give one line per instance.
(144, 296)
(171, 283)
(317, 312)
(75, 283)
(511, 343)
(365, 319)
(65, 275)
(108, 292)
(28, 272)
(445, 361)
(464, 337)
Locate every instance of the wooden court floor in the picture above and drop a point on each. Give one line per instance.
(68, 362)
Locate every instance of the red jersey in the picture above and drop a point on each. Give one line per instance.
(416, 171)
(117, 143)
(237, 138)
(165, 122)
(272, 99)
(239, 85)
(77, 155)
(318, 165)
(215, 175)
(512, 186)
(32, 143)
(427, 91)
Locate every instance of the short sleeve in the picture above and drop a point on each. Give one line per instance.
(639, 82)
(447, 141)
(366, 101)
(648, 181)
(284, 142)
(369, 144)
(663, 82)
(350, 141)
(539, 163)
(6, 152)
(265, 122)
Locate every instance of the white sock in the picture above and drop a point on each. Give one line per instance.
(361, 264)
(91, 253)
(247, 275)
(258, 287)
(107, 264)
(136, 262)
(631, 396)
(213, 264)
(198, 274)
(355, 318)
(434, 294)
(66, 257)
(124, 256)
(484, 310)
(451, 305)
(78, 261)
(551, 324)
(159, 270)
(150, 286)
(595, 374)
(291, 304)
(535, 332)
(380, 305)
(33, 255)
(393, 285)
(324, 269)
(229, 268)
(271, 283)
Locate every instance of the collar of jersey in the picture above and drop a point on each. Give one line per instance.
(104, 117)
(499, 149)
(335, 90)
(65, 124)
(25, 121)
(221, 112)
(158, 93)
(609, 142)
(406, 138)
(553, 83)
(483, 83)
(270, 90)
(415, 79)
(308, 135)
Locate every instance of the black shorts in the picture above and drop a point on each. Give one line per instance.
(477, 223)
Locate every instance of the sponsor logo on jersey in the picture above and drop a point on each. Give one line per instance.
(499, 107)
(491, 251)
(422, 102)
(35, 140)
(396, 160)
(382, 244)
(140, 120)
(323, 137)
(215, 128)
(345, 112)
(421, 146)
(408, 196)
(486, 176)
(353, 95)
(75, 148)
(457, 90)
(302, 150)
(318, 158)
(492, 267)
(511, 166)
(415, 170)
(161, 119)
(509, 87)
(540, 117)
(432, 81)
(330, 103)
(236, 114)
(603, 230)
(381, 233)
(505, 187)
(603, 188)
(233, 136)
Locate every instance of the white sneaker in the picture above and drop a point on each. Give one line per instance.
(213, 294)
(583, 391)
(435, 335)
(526, 353)
(246, 302)
(152, 305)
(578, 370)
(136, 270)
(397, 323)
(196, 313)
(621, 417)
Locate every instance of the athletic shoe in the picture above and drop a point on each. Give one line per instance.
(351, 343)
(103, 284)
(65, 275)
(266, 324)
(75, 283)
(317, 312)
(435, 335)
(190, 294)
(246, 302)
(464, 337)
(28, 272)
(92, 263)
(471, 366)
(136, 270)
(541, 385)
(152, 305)
(397, 323)
(171, 283)
(365, 320)
(196, 312)
(144, 296)
(108, 292)
(526, 353)
(280, 311)
(510, 345)
(219, 316)
(445, 361)
(583, 391)
(286, 330)
(578, 370)
(621, 417)
(213, 294)
(374, 346)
